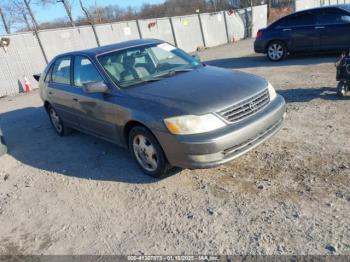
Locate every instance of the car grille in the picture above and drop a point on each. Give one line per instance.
(254, 140)
(246, 108)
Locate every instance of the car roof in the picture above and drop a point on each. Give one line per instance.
(114, 47)
(345, 7)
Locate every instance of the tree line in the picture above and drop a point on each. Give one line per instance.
(19, 15)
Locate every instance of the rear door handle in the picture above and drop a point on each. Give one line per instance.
(50, 93)
(287, 29)
(319, 27)
(76, 99)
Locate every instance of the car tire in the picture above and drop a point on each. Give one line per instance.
(341, 89)
(147, 152)
(276, 51)
(3, 147)
(57, 123)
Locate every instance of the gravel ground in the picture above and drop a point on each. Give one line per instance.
(81, 195)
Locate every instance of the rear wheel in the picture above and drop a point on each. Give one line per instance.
(341, 89)
(57, 123)
(3, 147)
(147, 152)
(276, 51)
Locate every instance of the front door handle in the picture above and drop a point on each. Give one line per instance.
(50, 93)
(319, 27)
(287, 29)
(76, 99)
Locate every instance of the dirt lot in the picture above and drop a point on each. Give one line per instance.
(81, 195)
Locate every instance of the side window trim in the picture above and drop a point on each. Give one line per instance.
(72, 61)
(48, 77)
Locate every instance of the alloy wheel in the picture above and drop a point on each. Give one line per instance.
(276, 51)
(56, 121)
(145, 153)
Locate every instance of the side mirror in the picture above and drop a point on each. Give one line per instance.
(196, 56)
(37, 77)
(95, 87)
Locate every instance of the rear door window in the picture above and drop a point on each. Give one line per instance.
(61, 71)
(282, 23)
(303, 19)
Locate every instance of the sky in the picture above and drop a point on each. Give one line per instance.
(56, 11)
(51, 12)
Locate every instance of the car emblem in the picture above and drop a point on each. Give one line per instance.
(252, 106)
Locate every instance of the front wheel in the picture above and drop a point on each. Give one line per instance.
(341, 89)
(147, 152)
(276, 51)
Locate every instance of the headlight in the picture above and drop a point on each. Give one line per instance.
(272, 92)
(190, 124)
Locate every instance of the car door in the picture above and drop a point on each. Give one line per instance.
(334, 28)
(302, 32)
(97, 112)
(59, 89)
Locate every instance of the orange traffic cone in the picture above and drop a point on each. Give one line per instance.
(27, 85)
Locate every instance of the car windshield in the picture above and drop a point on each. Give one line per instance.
(146, 63)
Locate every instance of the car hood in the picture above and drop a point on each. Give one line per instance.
(203, 90)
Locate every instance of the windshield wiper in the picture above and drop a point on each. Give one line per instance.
(182, 70)
(175, 71)
(141, 80)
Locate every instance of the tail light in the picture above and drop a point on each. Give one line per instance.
(259, 34)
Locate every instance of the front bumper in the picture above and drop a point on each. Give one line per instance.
(218, 147)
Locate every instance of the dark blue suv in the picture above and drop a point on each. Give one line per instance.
(313, 30)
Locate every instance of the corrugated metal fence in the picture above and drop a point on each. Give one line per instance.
(23, 57)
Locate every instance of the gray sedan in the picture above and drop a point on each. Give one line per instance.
(164, 105)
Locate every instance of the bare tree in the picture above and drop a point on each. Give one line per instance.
(10, 13)
(95, 14)
(26, 21)
(90, 20)
(31, 14)
(68, 8)
(17, 7)
(4, 22)
(36, 27)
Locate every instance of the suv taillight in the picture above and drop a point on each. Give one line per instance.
(259, 34)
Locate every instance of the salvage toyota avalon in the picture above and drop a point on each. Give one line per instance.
(165, 106)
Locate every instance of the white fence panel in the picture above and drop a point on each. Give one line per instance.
(188, 32)
(157, 28)
(259, 18)
(21, 59)
(117, 32)
(236, 25)
(67, 39)
(214, 28)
